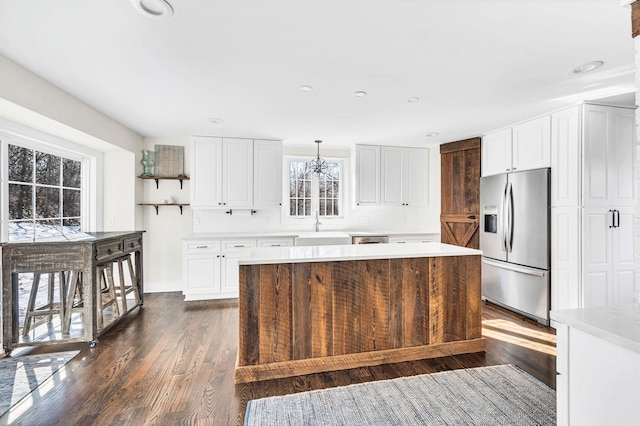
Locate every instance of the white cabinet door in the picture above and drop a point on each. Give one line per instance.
(201, 276)
(267, 180)
(415, 184)
(622, 153)
(565, 157)
(237, 169)
(623, 262)
(565, 258)
(367, 175)
(496, 152)
(532, 144)
(206, 172)
(609, 135)
(231, 252)
(391, 175)
(597, 256)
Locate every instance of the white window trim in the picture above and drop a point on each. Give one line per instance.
(287, 218)
(15, 134)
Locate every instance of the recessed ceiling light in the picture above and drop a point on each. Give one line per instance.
(306, 89)
(216, 120)
(359, 94)
(413, 99)
(159, 9)
(431, 135)
(589, 66)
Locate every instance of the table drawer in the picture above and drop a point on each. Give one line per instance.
(104, 251)
(132, 243)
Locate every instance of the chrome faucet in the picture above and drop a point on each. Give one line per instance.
(318, 223)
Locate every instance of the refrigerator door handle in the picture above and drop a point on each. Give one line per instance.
(509, 216)
(503, 220)
(514, 268)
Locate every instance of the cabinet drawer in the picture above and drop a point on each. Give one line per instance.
(237, 245)
(107, 250)
(201, 247)
(285, 242)
(132, 243)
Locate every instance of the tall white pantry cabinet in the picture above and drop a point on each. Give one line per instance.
(592, 206)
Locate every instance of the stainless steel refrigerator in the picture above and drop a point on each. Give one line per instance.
(514, 238)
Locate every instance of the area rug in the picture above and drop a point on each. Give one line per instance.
(497, 395)
(21, 375)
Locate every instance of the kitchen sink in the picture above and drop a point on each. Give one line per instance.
(323, 238)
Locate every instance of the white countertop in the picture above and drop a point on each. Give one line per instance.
(619, 325)
(293, 234)
(352, 252)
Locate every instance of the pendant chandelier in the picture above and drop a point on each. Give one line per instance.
(318, 166)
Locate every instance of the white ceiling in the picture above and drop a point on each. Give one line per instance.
(476, 65)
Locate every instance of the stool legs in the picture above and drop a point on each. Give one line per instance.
(51, 307)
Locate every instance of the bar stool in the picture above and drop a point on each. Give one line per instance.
(106, 294)
(50, 308)
(74, 299)
(126, 288)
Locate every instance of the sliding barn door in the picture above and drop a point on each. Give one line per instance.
(460, 192)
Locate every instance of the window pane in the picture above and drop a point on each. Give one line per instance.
(300, 209)
(307, 208)
(292, 207)
(20, 201)
(307, 189)
(20, 164)
(22, 230)
(47, 202)
(47, 169)
(322, 207)
(71, 173)
(70, 202)
(71, 226)
(323, 186)
(48, 228)
(336, 211)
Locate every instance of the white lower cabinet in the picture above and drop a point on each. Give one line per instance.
(597, 380)
(608, 259)
(210, 267)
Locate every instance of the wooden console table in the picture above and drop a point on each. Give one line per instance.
(82, 257)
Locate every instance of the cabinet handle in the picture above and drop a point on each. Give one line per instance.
(616, 218)
(223, 255)
(275, 245)
(471, 216)
(202, 246)
(109, 251)
(613, 219)
(507, 170)
(239, 245)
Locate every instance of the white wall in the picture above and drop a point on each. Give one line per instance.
(30, 101)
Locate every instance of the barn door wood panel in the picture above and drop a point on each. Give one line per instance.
(460, 192)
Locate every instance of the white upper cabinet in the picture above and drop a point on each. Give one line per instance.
(496, 152)
(532, 144)
(391, 173)
(404, 176)
(367, 174)
(565, 157)
(526, 146)
(267, 178)
(235, 173)
(206, 171)
(608, 156)
(237, 169)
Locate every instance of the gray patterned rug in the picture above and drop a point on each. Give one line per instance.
(21, 375)
(497, 395)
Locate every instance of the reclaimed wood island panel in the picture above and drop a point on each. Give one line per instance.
(344, 307)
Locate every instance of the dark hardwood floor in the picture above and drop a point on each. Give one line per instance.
(173, 363)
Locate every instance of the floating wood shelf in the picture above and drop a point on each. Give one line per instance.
(157, 206)
(158, 178)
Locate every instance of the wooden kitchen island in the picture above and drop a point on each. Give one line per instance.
(305, 310)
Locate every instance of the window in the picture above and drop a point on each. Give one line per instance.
(44, 192)
(309, 193)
